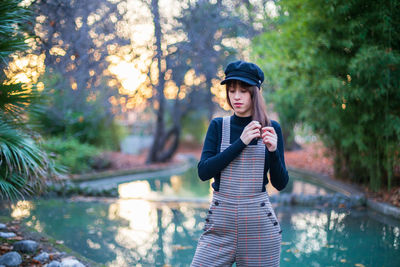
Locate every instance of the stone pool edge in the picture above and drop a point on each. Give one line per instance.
(83, 186)
(348, 190)
(86, 177)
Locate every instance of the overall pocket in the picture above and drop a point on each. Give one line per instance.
(272, 217)
(210, 215)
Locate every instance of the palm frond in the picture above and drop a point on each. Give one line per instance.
(13, 17)
(14, 99)
(20, 152)
(9, 191)
(24, 166)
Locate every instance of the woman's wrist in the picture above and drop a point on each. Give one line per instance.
(243, 141)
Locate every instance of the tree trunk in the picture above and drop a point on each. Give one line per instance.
(158, 151)
(159, 130)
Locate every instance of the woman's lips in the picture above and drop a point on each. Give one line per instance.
(238, 105)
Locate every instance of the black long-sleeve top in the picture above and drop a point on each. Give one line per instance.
(212, 161)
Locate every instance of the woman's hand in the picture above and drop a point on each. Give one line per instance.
(251, 131)
(270, 138)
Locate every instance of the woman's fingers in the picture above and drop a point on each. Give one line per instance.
(265, 134)
(254, 133)
(269, 128)
(252, 127)
(268, 131)
(254, 124)
(251, 131)
(269, 138)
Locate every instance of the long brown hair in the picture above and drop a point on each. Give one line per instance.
(259, 110)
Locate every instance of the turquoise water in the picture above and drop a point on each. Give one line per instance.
(188, 185)
(135, 231)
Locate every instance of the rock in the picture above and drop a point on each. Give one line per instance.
(26, 246)
(54, 264)
(42, 257)
(2, 226)
(11, 259)
(6, 235)
(69, 262)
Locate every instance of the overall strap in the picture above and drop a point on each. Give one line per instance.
(226, 130)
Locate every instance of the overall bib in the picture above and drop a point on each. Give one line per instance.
(241, 225)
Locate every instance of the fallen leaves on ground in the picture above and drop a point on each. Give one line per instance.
(389, 196)
(313, 157)
(179, 247)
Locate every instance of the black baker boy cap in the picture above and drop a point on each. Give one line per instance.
(244, 71)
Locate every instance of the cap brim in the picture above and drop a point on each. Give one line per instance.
(248, 81)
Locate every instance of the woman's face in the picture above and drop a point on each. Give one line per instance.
(240, 99)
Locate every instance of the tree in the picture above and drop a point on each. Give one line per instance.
(201, 28)
(278, 52)
(340, 60)
(76, 38)
(24, 167)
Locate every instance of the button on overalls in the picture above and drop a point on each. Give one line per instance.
(241, 225)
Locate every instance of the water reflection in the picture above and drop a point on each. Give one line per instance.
(138, 229)
(138, 232)
(188, 185)
(137, 189)
(21, 209)
(311, 232)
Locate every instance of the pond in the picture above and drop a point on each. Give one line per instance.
(138, 229)
(187, 186)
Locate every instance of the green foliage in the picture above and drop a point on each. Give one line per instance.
(335, 66)
(24, 167)
(77, 157)
(88, 123)
(282, 53)
(195, 124)
(12, 17)
(77, 88)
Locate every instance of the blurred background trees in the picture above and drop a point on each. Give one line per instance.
(78, 76)
(190, 66)
(335, 67)
(76, 37)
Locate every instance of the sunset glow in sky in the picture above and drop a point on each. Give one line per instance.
(131, 70)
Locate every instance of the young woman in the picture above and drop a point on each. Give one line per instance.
(238, 151)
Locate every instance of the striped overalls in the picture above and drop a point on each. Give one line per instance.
(241, 225)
